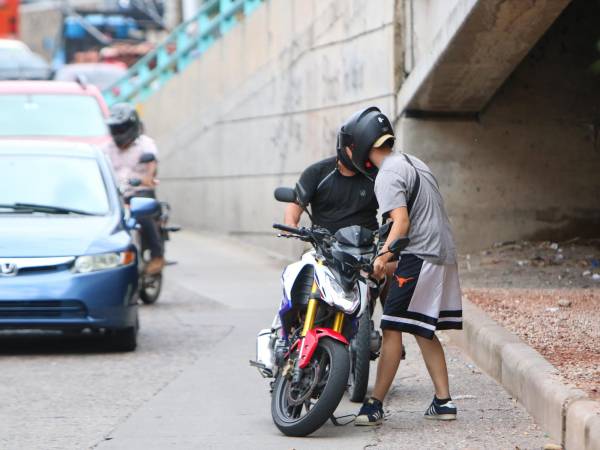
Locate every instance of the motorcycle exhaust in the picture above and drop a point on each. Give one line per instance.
(264, 353)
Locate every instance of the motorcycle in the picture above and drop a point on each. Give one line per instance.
(150, 285)
(308, 348)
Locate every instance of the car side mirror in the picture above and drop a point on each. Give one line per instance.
(285, 194)
(147, 157)
(141, 207)
(398, 245)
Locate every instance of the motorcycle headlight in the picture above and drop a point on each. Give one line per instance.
(103, 261)
(346, 301)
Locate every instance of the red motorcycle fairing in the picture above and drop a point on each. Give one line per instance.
(308, 344)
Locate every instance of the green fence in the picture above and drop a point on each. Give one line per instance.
(185, 43)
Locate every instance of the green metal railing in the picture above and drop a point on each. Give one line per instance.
(185, 43)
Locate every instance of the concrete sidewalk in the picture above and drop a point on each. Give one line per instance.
(221, 402)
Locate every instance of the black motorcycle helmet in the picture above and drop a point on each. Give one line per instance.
(363, 130)
(124, 124)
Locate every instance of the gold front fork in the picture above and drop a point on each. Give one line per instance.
(338, 322)
(311, 310)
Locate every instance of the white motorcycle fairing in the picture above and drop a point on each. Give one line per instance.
(330, 290)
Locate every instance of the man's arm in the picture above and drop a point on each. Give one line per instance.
(399, 229)
(149, 178)
(305, 190)
(292, 214)
(149, 146)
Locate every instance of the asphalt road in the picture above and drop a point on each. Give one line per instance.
(189, 385)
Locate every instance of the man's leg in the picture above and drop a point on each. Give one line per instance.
(435, 361)
(151, 235)
(442, 407)
(371, 413)
(391, 353)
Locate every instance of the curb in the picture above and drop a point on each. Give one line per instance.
(564, 412)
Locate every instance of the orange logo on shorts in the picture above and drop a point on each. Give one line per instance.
(403, 281)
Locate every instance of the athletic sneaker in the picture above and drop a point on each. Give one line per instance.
(371, 413)
(441, 409)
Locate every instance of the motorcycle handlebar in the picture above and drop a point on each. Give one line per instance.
(287, 229)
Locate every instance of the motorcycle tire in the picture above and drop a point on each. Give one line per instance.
(328, 400)
(360, 359)
(149, 293)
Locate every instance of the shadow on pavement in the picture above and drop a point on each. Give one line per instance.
(50, 342)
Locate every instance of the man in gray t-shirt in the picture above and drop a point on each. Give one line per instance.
(424, 293)
(429, 233)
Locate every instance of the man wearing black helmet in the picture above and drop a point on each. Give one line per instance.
(135, 175)
(339, 195)
(425, 293)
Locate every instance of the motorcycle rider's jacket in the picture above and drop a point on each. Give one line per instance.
(337, 201)
(126, 162)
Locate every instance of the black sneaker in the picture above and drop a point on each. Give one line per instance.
(441, 410)
(371, 413)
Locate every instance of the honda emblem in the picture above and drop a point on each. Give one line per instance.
(8, 269)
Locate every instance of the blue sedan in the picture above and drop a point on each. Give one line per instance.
(67, 259)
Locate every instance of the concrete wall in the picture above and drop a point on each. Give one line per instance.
(267, 100)
(263, 103)
(424, 19)
(529, 166)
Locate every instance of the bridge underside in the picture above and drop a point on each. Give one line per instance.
(479, 45)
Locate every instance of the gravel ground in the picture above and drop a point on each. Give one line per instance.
(548, 293)
(571, 264)
(562, 324)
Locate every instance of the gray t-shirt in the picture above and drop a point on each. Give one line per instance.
(429, 233)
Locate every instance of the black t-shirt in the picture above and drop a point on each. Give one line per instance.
(337, 201)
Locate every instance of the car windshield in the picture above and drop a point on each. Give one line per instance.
(51, 115)
(59, 182)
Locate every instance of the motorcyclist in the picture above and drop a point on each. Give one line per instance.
(339, 195)
(135, 175)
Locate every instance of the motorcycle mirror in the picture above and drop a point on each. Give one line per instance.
(147, 157)
(398, 245)
(285, 194)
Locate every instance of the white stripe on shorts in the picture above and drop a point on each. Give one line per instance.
(409, 321)
(450, 319)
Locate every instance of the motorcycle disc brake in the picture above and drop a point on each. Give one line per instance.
(303, 392)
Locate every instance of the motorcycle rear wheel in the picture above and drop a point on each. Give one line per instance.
(289, 418)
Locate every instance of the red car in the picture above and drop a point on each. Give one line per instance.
(53, 110)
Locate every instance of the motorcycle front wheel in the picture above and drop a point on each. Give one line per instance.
(151, 285)
(301, 409)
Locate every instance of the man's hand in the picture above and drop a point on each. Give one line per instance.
(149, 181)
(379, 266)
(399, 228)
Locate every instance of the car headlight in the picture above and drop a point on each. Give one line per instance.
(103, 261)
(346, 301)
